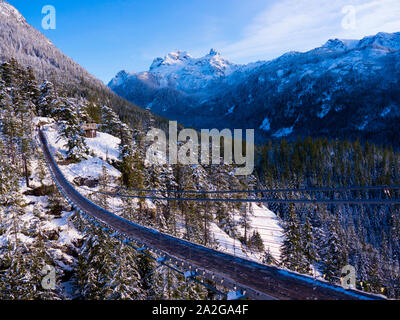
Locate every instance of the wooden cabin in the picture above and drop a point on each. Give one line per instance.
(90, 130)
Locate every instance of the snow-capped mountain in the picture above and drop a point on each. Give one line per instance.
(180, 71)
(175, 82)
(345, 88)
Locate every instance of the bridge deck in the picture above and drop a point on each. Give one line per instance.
(260, 281)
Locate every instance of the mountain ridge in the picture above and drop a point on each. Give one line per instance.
(321, 92)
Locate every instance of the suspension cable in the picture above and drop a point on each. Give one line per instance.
(300, 190)
(260, 200)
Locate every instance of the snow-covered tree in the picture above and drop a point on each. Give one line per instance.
(49, 103)
(292, 251)
(72, 132)
(111, 123)
(333, 252)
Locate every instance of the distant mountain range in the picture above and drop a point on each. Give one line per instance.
(344, 89)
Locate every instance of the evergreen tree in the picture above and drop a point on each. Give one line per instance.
(110, 121)
(292, 251)
(72, 132)
(49, 102)
(334, 253)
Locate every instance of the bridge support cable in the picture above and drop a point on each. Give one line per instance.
(385, 188)
(259, 200)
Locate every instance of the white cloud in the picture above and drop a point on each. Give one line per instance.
(289, 25)
(376, 16)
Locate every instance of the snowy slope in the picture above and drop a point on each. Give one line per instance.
(61, 238)
(267, 224)
(260, 218)
(9, 12)
(103, 147)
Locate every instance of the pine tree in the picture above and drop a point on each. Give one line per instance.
(334, 254)
(104, 180)
(49, 102)
(269, 259)
(131, 164)
(309, 245)
(292, 251)
(72, 132)
(110, 121)
(95, 265)
(125, 282)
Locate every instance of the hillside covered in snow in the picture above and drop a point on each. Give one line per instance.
(104, 149)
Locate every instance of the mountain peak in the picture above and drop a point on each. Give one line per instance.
(179, 55)
(340, 44)
(173, 58)
(180, 71)
(382, 40)
(179, 60)
(120, 78)
(214, 52)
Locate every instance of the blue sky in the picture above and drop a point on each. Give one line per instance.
(106, 36)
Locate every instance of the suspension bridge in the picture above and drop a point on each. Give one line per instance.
(242, 277)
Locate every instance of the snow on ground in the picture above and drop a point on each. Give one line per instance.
(226, 243)
(103, 147)
(42, 121)
(262, 220)
(91, 168)
(267, 224)
(62, 225)
(67, 231)
(283, 132)
(55, 144)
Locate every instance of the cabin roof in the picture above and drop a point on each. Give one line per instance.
(89, 126)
